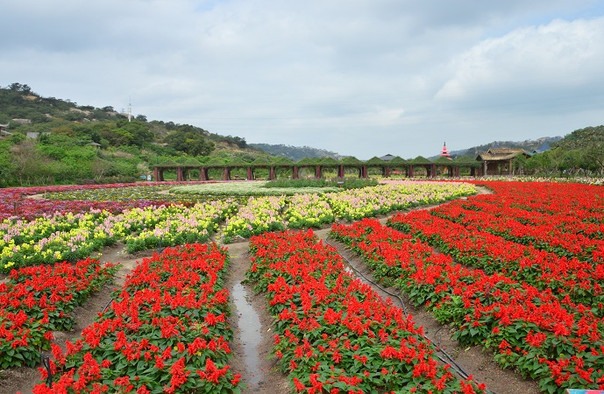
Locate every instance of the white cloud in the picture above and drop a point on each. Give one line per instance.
(537, 63)
(325, 74)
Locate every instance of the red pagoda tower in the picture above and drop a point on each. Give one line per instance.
(445, 152)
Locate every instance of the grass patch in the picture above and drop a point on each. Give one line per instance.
(342, 183)
(248, 188)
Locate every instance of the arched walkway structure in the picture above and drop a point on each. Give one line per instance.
(386, 168)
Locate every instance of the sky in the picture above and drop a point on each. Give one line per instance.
(361, 78)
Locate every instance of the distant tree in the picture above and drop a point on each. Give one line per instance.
(100, 168)
(141, 118)
(17, 87)
(189, 142)
(63, 130)
(138, 132)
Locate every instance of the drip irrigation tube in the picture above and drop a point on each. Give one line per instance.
(443, 356)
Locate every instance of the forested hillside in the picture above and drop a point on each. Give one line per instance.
(49, 140)
(296, 152)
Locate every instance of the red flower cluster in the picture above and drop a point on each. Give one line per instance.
(37, 300)
(165, 331)
(334, 333)
(520, 301)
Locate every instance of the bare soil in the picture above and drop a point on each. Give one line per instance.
(264, 377)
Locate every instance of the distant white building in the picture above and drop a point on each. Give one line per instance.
(22, 121)
(35, 134)
(3, 132)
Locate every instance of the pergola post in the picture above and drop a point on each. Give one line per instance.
(271, 173)
(295, 172)
(318, 171)
(250, 174)
(411, 171)
(341, 171)
(203, 174)
(226, 174)
(179, 174)
(156, 174)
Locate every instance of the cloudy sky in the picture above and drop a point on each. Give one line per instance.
(358, 77)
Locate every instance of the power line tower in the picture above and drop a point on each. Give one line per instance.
(129, 110)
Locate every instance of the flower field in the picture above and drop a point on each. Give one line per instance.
(165, 331)
(513, 287)
(335, 333)
(65, 235)
(519, 272)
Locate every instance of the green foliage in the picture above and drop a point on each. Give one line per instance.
(190, 142)
(344, 183)
(293, 152)
(579, 153)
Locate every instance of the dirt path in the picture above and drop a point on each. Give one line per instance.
(251, 324)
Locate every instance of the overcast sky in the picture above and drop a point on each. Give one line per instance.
(358, 77)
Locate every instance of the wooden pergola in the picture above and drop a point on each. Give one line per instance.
(317, 167)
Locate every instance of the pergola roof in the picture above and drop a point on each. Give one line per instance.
(495, 154)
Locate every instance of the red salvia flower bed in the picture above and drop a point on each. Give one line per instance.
(333, 333)
(165, 331)
(38, 300)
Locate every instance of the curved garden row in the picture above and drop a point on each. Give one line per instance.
(73, 236)
(538, 311)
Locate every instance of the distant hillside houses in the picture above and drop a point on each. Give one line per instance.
(21, 121)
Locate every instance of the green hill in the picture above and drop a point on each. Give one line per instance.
(296, 152)
(47, 140)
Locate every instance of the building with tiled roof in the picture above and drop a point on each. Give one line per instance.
(498, 161)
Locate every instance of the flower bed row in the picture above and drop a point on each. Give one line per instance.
(333, 333)
(371, 201)
(15, 204)
(555, 236)
(38, 300)
(166, 331)
(565, 219)
(566, 277)
(557, 342)
(75, 236)
(313, 211)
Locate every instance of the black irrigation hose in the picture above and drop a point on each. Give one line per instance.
(359, 273)
(46, 364)
(458, 368)
(107, 306)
